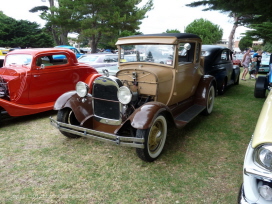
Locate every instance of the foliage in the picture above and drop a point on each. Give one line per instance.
(172, 31)
(268, 47)
(209, 32)
(259, 10)
(96, 20)
(245, 42)
(22, 33)
(245, 12)
(261, 31)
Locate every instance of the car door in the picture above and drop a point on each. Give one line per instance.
(226, 63)
(188, 71)
(50, 79)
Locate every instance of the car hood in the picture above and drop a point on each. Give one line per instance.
(263, 130)
(15, 79)
(11, 73)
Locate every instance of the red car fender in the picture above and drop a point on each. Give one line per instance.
(143, 117)
(15, 109)
(90, 79)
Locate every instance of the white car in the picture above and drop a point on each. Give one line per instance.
(257, 170)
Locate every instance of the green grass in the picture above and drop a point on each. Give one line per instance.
(201, 163)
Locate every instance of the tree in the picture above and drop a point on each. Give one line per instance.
(261, 31)
(22, 33)
(260, 10)
(238, 17)
(172, 31)
(267, 47)
(57, 26)
(96, 19)
(209, 32)
(245, 42)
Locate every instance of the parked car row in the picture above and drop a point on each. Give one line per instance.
(114, 93)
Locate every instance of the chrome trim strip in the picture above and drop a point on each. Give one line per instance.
(262, 175)
(97, 135)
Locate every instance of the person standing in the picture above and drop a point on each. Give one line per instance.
(258, 55)
(245, 62)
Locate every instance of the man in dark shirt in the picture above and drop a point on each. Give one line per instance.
(258, 54)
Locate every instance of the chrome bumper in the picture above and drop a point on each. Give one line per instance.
(241, 196)
(262, 175)
(97, 135)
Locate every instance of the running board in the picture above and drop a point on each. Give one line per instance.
(190, 113)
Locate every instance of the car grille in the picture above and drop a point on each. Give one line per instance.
(105, 101)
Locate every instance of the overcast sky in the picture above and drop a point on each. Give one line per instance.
(167, 14)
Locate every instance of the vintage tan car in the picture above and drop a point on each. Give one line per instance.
(160, 82)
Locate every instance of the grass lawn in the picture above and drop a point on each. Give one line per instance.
(201, 163)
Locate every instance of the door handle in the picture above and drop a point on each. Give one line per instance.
(36, 75)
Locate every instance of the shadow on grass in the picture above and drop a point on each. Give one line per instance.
(10, 121)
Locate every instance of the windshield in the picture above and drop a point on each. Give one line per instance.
(160, 54)
(20, 59)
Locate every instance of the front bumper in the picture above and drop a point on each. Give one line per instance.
(254, 178)
(98, 135)
(241, 196)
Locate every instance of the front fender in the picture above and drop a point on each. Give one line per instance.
(82, 107)
(143, 117)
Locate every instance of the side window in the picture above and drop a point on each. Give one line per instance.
(225, 55)
(186, 52)
(51, 60)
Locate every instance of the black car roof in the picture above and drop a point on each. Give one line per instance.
(177, 35)
(213, 47)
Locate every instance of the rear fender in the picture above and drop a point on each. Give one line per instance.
(203, 88)
(143, 117)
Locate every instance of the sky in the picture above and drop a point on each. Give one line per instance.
(166, 14)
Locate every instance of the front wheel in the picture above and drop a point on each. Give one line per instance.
(154, 139)
(209, 100)
(67, 116)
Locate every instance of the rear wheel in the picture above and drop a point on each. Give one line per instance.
(154, 139)
(209, 100)
(67, 116)
(260, 87)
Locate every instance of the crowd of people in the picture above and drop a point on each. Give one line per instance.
(251, 64)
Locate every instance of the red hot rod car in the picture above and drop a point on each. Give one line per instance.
(31, 80)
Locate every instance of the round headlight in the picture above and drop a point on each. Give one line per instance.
(82, 89)
(263, 156)
(124, 95)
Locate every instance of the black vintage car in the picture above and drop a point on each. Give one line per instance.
(218, 63)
